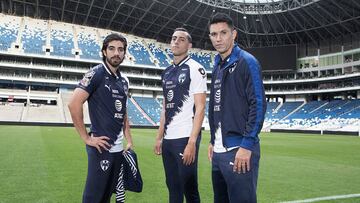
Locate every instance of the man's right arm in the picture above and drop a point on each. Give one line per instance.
(160, 135)
(76, 110)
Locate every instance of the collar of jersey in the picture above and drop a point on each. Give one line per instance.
(182, 61)
(111, 73)
(233, 57)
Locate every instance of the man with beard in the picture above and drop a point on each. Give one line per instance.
(105, 90)
(184, 90)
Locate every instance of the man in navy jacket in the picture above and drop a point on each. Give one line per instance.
(236, 113)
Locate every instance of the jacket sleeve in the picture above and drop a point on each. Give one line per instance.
(256, 103)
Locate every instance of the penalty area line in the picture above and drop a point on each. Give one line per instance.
(324, 198)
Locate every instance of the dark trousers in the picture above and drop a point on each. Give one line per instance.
(233, 187)
(180, 179)
(103, 173)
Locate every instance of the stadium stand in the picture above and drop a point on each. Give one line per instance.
(9, 28)
(62, 39)
(159, 54)
(88, 43)
(139, 51)
(11, 111)
(34, 35)
(151, 107)
(203, 58)
(135, 116)
(76, 48)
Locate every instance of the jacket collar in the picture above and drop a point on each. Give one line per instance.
(233, 57)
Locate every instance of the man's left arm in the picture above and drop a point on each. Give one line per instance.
(190, 149)
(127, 133)
(198, 90)
(257, 106)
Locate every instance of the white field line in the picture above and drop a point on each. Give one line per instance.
(324, 198)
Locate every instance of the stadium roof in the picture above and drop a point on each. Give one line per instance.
(259, 22)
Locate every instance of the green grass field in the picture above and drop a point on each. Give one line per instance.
(48, 164)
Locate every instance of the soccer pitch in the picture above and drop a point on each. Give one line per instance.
(48, 164)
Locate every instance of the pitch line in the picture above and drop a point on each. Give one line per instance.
(324, 198)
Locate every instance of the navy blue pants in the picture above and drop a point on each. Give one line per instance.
(103, 173)
(180, 179)
(231, 186)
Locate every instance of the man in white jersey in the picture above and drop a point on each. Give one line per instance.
(178, 139)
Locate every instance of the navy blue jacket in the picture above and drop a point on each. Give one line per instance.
(243, 103)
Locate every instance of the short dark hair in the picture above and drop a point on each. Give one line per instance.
(184, 30)
(110, 38)
(221, 18)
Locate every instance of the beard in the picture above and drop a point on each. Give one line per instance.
(114, 61)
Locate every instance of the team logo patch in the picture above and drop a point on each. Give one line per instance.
(118, 105)
(182, 78)
(87, 78)
(232, 68)
(170, 95)
(218, 96)
(202, 71)
(104, 164)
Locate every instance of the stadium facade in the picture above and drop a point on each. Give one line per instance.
(42, 60)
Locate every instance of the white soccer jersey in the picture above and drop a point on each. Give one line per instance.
(180, 83)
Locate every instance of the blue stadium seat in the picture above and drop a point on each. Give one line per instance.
(135, 116)
(89, 47)
(8, 35)
(159, 54)
(151, 107)
(140, 53)
(34, 38)
(62, 43)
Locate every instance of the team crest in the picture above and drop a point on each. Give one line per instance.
(104, 164)
(182, 78)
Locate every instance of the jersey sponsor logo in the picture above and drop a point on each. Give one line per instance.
(218, 96)
(117, 96)
(118, 115)
(170, 105)
(104, 164)
(216, 107)
(182, 78)
(115, 91)
(118, 105)
(170, 95)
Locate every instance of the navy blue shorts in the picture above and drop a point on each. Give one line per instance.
(180, 179)
(103, 173)
(231, 186)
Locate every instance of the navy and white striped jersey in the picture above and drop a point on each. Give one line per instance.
(107, 103)
(180, 83)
